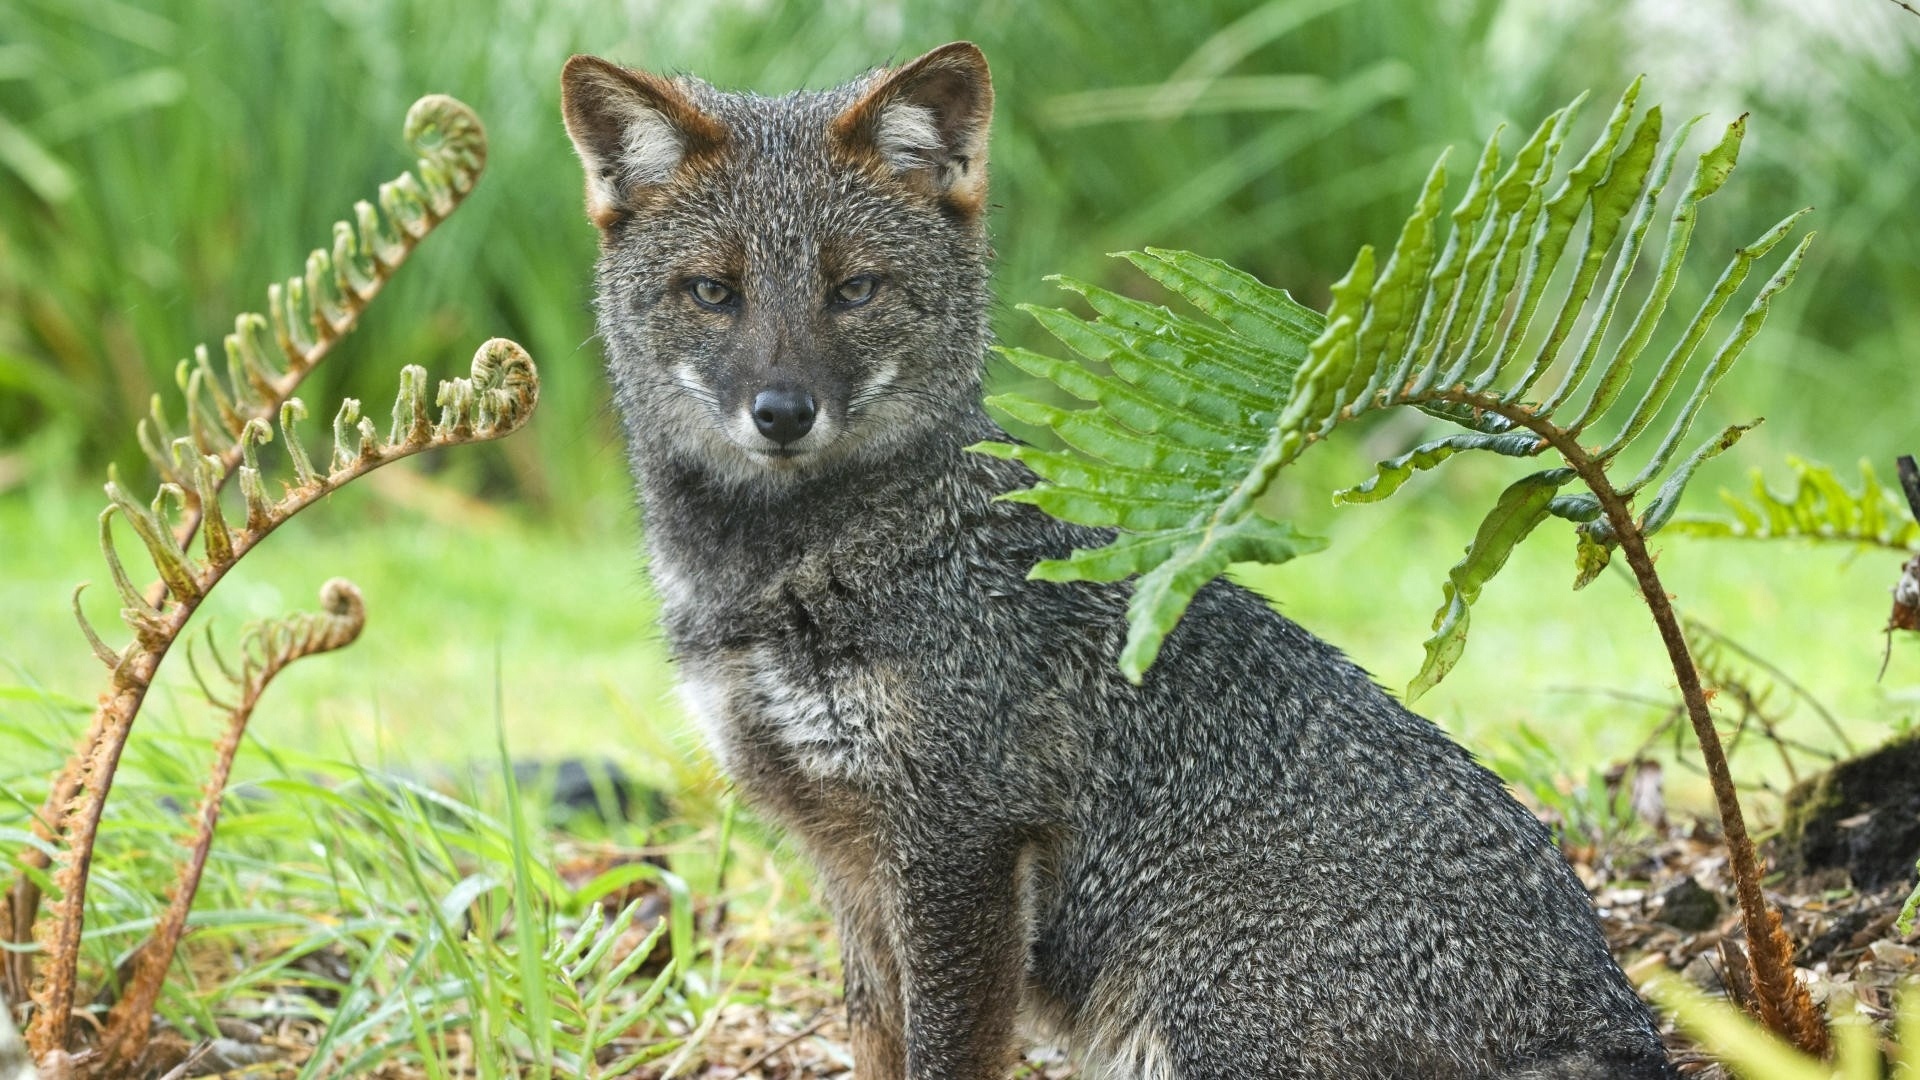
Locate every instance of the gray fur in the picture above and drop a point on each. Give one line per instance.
(1255, 865)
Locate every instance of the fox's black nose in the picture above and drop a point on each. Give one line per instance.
(783, 415)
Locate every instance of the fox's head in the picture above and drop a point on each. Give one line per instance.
(786, 283)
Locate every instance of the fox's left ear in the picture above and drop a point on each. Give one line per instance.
(928, 123)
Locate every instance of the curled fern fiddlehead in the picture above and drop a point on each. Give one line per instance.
(267, 356)
(266, 649)
(494, 400)
(227, 416)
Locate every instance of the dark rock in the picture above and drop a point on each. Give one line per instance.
(327, 969)
(572, 792)
(1861, 816)
(1688, 905)
(594, 790)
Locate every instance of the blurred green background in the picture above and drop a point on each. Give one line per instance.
(162, 160)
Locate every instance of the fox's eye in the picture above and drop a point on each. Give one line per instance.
(710, 293)
(855, 290)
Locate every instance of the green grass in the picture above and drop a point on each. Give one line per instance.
(390, 920)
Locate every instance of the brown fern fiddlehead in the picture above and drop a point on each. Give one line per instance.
(267, 649)
(310, 312)
(226, 419)
(496, 400)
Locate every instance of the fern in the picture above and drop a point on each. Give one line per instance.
(228, 416)
(496, 400)
(1178, 427)
(267, 648)
(268, 356)
(1821, 508)
(1193, 418)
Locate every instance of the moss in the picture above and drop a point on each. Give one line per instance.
(1881, 788)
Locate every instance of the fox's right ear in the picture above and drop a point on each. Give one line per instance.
(632, 131)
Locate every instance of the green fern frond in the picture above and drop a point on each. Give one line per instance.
(1190, 420)
(1177, 428)
(1820, 508)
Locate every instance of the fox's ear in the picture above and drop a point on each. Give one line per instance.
(928, 122)
(632, 131)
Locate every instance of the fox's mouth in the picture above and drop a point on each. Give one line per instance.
(781, 459)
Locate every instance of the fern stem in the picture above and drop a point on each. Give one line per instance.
(342, 618)
(79, 795)
(1783, 1003)
(23, 899)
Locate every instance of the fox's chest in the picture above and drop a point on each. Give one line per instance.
(774, 715)
(791, 673)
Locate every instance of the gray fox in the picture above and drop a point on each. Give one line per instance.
(1255, 864)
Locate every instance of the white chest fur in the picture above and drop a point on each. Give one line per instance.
(756, 701)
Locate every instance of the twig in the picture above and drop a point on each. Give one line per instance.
(819, 1021)
(185, 1068)
(1780, 676)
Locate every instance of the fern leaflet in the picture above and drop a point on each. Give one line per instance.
(1191, 419)
(1820, 508)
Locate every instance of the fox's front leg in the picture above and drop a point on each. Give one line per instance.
(962, 956)
(875, 1015)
